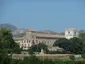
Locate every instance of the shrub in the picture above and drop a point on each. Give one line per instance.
(72, 57)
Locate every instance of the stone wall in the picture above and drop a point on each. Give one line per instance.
(44, 56)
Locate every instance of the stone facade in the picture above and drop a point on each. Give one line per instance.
(71, 32)
(33, 37)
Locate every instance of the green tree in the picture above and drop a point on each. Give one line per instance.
(77, 45)
(74, 45)
(7, 45)
(83, 49)
(82, 37)
(5, 58)
(64, 43)
(6, 40)
(38, 47)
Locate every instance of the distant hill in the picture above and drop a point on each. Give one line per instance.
(48, 31)
(8, 26)
(19, 32)
(81, 31)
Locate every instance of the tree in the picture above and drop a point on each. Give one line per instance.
(38, 47)
(83, 49)
(64, 43)
(5, 58)
(74, 45)
(7, 45)
(82, 37)
(77, 45)
(6, 40)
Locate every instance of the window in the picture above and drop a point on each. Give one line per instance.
(33, 42)
(75, 32)
(25, 45)
(68, 32)
(36, 41)
(29, 41)
(22, 45)
(32, 36)
(24, 41)
(28, 44)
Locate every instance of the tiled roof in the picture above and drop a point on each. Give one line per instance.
(50, 35)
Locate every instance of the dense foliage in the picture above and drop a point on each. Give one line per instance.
(73, 45)
(35, 60)
(38, 47)
(7, 46)
(82, 37)
(6, 41)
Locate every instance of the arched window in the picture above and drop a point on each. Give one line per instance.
(27, 41)
(75, 32)
(24, 41)
(36, 41)
(25, 45)
(33, 42)
(68, 32)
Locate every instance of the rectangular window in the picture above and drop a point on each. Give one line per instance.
(29, 41)
(24, 41)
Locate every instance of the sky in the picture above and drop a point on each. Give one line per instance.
(54, 15)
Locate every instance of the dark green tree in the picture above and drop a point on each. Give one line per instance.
(38, 47)
(82, 37)
(77, 45)
(74, 45)
(5, 58)
(7, 45)
(64, 43)
(6, 40)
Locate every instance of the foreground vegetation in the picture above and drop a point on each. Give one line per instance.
(35, 60)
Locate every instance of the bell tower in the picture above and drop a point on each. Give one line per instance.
(70, 33)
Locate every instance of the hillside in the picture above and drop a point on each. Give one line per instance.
(8, 26)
